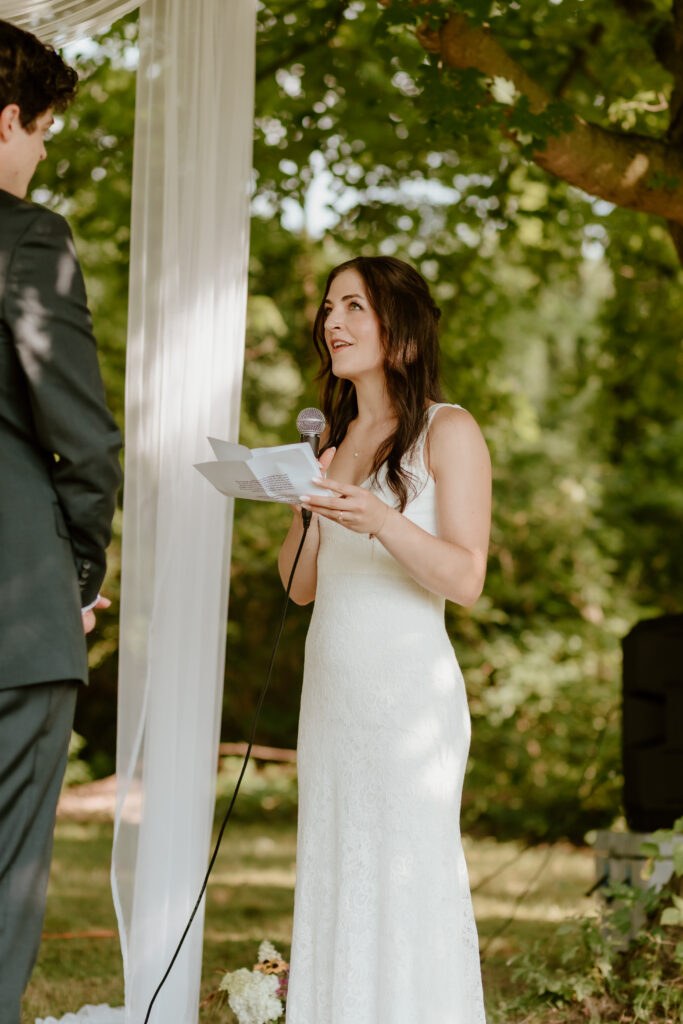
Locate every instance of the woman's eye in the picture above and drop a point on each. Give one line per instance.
(355, 305)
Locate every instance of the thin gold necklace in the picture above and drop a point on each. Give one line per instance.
(356, 454)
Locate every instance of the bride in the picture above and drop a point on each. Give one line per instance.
(383, 924)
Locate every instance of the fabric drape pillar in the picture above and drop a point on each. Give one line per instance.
(191, 178)
(61, 21)
(188, 281)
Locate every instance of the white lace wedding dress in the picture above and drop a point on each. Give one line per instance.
(383, 925)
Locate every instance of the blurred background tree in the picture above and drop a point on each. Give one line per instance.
(561, 334)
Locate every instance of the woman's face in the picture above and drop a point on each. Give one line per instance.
(352, 329)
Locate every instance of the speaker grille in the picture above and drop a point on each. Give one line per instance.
(652, 738)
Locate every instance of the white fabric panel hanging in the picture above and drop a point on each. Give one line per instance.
(189, 256)
(62, 21)
(188, 286)
(190, 236)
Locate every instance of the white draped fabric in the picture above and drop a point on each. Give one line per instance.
(60, 21)
(190, 237)
(188, 281)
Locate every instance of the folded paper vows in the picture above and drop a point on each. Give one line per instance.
(280, 474)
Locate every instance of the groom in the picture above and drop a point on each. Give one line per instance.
(59, 475)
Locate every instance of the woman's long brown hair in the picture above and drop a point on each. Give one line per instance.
(409, 320)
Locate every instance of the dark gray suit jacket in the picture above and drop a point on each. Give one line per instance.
(59, 446)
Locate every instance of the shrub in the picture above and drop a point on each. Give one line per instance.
(593, 975)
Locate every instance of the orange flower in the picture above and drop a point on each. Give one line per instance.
(272, 966)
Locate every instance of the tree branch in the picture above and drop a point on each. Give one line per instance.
(675, 132)
(578, 61)
(630, 170)
(305, 46)
(646, 15)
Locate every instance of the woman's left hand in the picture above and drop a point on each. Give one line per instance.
(356, 508)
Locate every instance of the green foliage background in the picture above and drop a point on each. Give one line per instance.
(561, 334)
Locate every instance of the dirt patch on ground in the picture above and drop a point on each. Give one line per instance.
(93, 801)
(96, 801)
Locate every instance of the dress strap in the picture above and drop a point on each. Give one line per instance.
(422, 439)
(428, 420)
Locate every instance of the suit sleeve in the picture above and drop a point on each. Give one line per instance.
(46, 308)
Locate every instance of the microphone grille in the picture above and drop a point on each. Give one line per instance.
(310, 421)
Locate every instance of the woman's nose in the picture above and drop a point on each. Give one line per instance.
(333, 320)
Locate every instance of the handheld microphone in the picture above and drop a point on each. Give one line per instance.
(310, 423)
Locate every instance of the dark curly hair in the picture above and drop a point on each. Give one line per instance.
(32, 75)
(409, 325)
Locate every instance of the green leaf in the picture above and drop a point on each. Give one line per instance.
(678, 858)
(661, 180)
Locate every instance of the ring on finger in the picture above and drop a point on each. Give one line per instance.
(340, 517)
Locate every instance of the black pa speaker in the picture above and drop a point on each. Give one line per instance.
(652, 741)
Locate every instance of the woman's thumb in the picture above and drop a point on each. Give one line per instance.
(326, 458)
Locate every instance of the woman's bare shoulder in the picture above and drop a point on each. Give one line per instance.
(454, 434)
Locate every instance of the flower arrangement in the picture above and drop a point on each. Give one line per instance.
(257, 996)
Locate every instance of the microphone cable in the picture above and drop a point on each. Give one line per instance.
(259, 705)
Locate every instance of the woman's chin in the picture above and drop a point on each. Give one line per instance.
(353, 373)
(342, 372)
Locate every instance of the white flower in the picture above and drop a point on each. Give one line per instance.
(503, 90)
(267, 951)
(251, 996)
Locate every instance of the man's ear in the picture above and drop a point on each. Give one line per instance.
(9, 121)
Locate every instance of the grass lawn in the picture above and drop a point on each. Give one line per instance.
(251, 897)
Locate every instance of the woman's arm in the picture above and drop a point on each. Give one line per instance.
(454, 563)
(306, 576)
